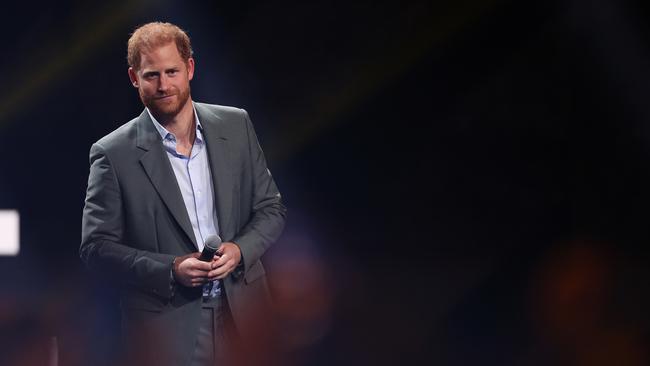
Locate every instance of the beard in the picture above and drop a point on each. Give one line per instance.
(163, 109)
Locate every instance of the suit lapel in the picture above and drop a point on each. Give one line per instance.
(160, 172)
(222, 178)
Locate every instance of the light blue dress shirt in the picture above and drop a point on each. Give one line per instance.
(195, 182)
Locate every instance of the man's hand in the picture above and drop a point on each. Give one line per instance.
(191, 272)
(225, 261)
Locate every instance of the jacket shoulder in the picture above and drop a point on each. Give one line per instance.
(222, 112)
(120, 137)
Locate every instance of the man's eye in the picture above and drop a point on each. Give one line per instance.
(172, 72)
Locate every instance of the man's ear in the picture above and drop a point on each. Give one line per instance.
(133, 75)
(190, 68)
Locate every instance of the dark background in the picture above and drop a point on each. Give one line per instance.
(466, 180)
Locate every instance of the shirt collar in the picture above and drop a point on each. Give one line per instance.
(164, 133)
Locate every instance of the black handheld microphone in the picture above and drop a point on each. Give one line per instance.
(212, 244)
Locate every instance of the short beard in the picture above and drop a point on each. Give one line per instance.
(166, 112)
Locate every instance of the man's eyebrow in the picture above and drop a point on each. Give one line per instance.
(150, 73)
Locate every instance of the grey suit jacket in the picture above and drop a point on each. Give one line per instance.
(135, 223)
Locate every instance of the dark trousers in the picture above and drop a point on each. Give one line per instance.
(211, 341)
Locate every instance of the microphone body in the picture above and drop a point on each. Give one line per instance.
(212, 244)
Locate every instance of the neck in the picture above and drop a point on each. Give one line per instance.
(181, 124)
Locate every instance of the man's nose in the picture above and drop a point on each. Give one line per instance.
(163, 83)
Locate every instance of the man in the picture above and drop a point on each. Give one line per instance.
(158, 187)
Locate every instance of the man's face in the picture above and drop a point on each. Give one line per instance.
(163, 80)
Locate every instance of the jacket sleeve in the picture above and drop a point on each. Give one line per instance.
(268, 212)
(102, 234)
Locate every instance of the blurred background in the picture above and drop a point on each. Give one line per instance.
(467, 181)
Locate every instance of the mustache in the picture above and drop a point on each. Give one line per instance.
(160, 96)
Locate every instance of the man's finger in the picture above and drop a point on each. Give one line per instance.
(219, 271)
(197, 273)
(216, 272)
(221, 261)
(223, 275)
(199, 265)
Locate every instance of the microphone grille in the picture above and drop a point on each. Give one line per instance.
(213, 242)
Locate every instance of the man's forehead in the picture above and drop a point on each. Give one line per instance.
(164, 55)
